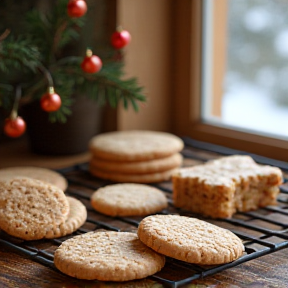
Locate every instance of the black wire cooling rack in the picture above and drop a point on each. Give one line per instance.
(263, 231)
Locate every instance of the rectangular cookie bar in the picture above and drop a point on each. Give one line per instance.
(221, 187)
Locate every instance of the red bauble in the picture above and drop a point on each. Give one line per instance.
(120, 39)
(76, 8)
(14, 127)
(91, 63)
(50, 101)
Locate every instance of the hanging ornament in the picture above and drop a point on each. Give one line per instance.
(91, 63)
(50, 101)
(14, 127)
(120, 38)
(76, 8)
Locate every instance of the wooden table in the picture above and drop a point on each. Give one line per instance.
(18, 270)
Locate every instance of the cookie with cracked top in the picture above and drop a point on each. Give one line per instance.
(107, 256)
(29, 208)
(190, 239)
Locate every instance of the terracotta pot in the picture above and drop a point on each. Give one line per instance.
(69, 138)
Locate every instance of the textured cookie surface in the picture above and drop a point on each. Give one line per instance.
(135, 145)
(29, 208)
(107, 256)
(133, 178)
(190, 239)
(38, 173)
(138, 167)
(128, 200)
(76, 218)
(224, 186)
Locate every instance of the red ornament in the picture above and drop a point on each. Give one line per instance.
(50, 101)
(14, 127)
(76, 8)
(120, 39)
(91, 63)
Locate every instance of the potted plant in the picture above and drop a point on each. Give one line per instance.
(47, 70)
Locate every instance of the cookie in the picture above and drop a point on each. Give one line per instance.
(107, 256)
(139, 167)
(189, 239)
(38, 173)
(76, 218)
(29, 208)
(128, 200)
(134, 145)
(134, 178)
(221, 187)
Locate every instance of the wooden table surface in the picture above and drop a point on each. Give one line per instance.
(17, 270)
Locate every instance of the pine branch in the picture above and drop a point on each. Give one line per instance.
(53, 31)
(41, 44)
(106, 84)
(18, 53)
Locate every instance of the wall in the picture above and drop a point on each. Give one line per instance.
(148, 57)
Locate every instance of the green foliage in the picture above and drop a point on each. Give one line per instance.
(17, 53)
(43, 42)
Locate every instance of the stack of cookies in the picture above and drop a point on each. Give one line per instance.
(32, 209)
(135, 156)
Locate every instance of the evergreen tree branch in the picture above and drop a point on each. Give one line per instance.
(93, 84)
(40, 45)
(17, 53)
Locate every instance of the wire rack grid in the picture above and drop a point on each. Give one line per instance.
(262, 231)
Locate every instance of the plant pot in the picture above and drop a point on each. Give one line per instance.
(67, 138)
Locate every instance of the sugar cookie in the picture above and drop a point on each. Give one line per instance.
(107, 256)
(135, 145)
(128, 200)
(190, 239)
(38, 173)
(29, 207)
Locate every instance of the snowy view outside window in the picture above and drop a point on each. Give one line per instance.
(256, 80)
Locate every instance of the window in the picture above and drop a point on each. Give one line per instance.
(166, 55)
(188, 84)
(245, 65)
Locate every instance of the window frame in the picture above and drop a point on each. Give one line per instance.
(187, 88)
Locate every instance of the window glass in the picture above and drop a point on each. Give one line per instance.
(246, 57)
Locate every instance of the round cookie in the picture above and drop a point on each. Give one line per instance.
(134, 178)
(134, 145)
(29, 207)
(44, 174)
(190, 239)
(107, 256)
(76, 218)
(139, 167)
(128, 200)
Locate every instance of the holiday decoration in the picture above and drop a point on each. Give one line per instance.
(50, 101)
(76, 8)
(14, 127)
(36, 54)
(120, 38)
(91, 63)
